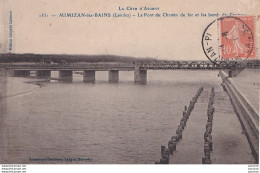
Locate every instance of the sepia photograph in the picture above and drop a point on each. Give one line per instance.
(129, 82)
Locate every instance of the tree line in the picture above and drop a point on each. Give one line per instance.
(57, 58)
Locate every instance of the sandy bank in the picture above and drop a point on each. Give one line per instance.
(11, 86)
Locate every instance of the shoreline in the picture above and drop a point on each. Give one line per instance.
(27, 87)
(247, 114)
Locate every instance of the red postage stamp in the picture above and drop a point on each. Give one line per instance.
(237, 37)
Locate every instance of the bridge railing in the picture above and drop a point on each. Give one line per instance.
(187, 65)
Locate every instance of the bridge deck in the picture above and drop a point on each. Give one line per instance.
(142, 65)
(75, 67)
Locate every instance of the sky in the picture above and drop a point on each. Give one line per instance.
(172, 38)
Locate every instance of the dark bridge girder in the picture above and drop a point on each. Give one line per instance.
(193, 65)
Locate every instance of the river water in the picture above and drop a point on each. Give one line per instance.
(99, 123)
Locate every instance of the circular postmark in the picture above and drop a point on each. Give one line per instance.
(229, 39)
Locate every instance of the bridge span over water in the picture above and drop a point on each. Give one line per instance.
(140, 68)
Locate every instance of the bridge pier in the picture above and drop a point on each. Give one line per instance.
(89, 76)
(113, 76)
(43, 74)
(140, 76)
(21, 73)
(65, 75)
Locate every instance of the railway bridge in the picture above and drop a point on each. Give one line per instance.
(139, 67)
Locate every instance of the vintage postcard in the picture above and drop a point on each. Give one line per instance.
(129, 82)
